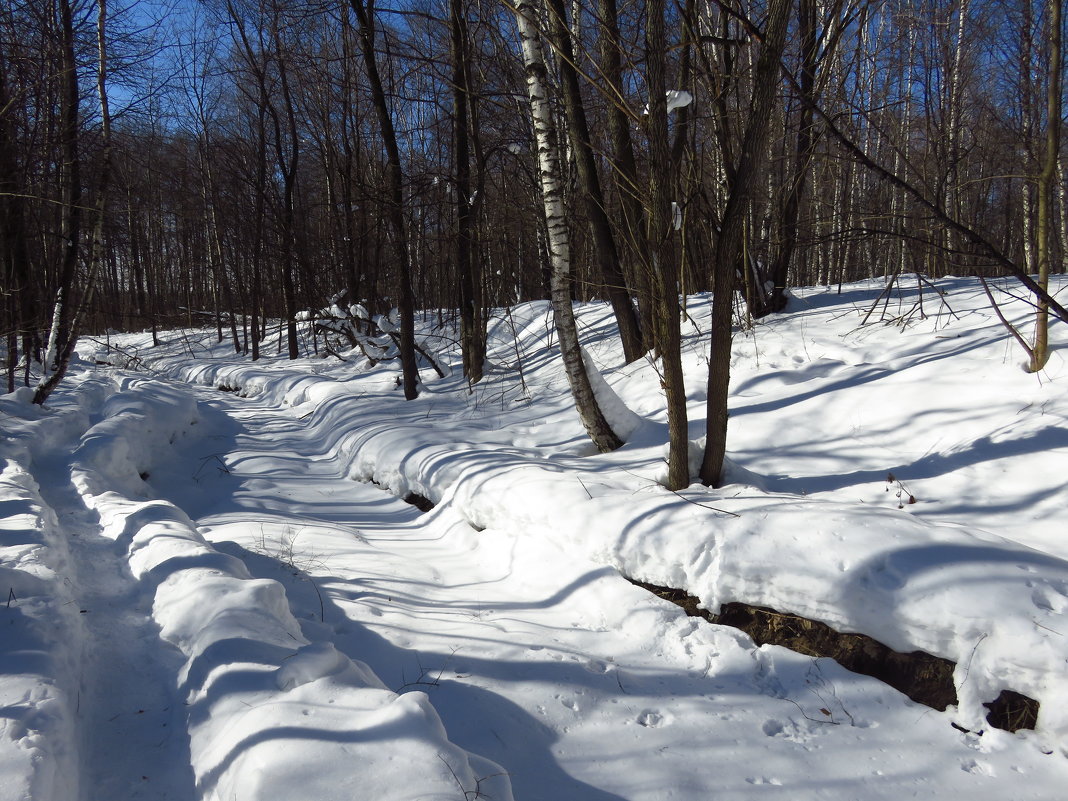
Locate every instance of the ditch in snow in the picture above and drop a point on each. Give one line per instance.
(924, 678)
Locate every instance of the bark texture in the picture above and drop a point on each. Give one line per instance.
(589, 184)
(731, 243)
(559, 240)
(365, 16)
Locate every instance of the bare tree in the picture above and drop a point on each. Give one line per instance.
(730, 245)
(62, 336)
(14, 252)
(1047, 180)
(660, 253)
(559, 243)
(365, 17)
(472, 323)
(589, 184)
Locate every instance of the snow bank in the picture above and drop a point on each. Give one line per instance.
(822, 410)
(39, 430)
(258, 724)
(40, 638)
(994, 607)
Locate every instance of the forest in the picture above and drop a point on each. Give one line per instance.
(244, 163)
(367, 370)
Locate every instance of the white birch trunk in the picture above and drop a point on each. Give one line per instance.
(559, 244)
(1028, 222)
(53, 343)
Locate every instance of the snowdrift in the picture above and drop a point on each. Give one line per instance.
(902, 479)
(950, 588)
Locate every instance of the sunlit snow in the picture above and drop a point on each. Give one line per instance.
(221, 595)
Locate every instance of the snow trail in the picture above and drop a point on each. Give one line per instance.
(268, 714)
(130, 719)
(577, 683)
(498, 616)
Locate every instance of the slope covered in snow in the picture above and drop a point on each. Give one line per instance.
(300, 632)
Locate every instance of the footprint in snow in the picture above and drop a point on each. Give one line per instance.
(652, 719)
(772, 728)
(977, 768)
(1049, 598)
(764, 780)
(801, 732)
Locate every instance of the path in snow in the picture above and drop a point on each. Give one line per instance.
(580, 685)
(130, 716)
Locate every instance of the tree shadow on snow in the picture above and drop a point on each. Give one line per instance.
(476, 719)
(932, 465)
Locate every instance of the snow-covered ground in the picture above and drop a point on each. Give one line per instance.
(221, 595)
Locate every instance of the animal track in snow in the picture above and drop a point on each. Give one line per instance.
(652, 719)
(1050, 598)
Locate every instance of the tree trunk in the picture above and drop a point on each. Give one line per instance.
(625, 170)
(288, 166)
(61, 338)
(730, 245)
(804, 146)
(589, 183)
(559, 242)
(472, 324)
(395, 205)
(1044, 224)
(662, 262)
(14, 255)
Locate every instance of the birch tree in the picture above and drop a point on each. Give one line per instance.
(559, 237)
(62, 336)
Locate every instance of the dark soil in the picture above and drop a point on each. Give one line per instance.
(924, 678)
(419, 502)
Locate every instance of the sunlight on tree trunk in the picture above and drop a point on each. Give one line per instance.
(559, 244)
(1044, 226)
(731, 243)
(662, 258)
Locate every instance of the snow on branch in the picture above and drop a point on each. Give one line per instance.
(676, 98)
(349, 326)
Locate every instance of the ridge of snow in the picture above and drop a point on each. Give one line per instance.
(258, 726)
(904, 581)
(40, 636)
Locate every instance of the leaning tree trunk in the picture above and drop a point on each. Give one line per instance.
(395, 204)
(61, 338)
(559, 242)
(589, 184)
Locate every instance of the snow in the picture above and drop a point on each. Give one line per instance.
(676, 99)
(220, 595)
